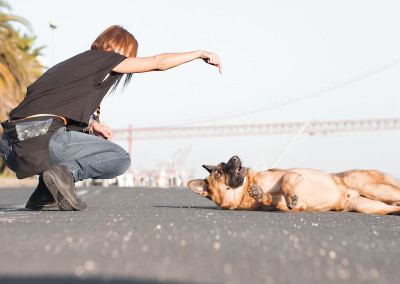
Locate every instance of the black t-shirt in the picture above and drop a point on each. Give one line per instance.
(73, 88)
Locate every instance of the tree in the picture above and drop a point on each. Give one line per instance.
(19, 64)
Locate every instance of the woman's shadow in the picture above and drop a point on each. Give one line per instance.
(4, 209)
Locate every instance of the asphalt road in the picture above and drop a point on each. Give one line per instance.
(152, 235)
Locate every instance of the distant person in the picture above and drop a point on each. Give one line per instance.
(53, 132)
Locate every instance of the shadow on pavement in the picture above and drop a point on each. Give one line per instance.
(70, 279)
(188, 207)
(10, 209)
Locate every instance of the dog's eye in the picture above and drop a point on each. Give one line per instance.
(217, 174)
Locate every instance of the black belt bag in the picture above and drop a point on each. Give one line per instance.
(30, 139)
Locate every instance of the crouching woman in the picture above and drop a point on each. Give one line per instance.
(53, 133)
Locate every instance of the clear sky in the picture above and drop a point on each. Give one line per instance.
(271, 51)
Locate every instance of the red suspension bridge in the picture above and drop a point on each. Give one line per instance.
(315, 127)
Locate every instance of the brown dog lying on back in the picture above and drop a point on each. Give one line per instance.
(232, 186)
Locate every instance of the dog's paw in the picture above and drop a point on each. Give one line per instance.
(291, 202)
(256, 192)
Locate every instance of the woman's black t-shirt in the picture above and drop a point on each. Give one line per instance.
(73, 88)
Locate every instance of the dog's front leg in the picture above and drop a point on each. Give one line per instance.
(259, 195)
(288, 186)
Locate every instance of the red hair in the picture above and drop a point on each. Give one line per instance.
(119, 40)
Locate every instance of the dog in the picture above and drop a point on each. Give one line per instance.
(232, 186)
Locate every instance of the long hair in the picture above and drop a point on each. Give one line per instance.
(116, 39)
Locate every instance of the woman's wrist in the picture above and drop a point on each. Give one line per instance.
(200, 54)
(89, 128)
(91, 125)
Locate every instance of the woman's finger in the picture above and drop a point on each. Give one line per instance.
(213, 59)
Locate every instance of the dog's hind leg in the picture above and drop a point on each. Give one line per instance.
(374, 185)
(365, 205)
(289, 183)
(383, 192)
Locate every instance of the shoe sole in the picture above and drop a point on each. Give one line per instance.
(41, 207)
(65, 200)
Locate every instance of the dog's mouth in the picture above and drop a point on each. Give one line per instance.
(235, 165)
(236, 172)
(237, 177)
(239, 172)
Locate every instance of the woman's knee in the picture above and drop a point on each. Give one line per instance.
(123, 163)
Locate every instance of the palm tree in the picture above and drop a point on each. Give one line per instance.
(19, 65)
(8, 59)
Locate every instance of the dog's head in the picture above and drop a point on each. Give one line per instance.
(224, 177)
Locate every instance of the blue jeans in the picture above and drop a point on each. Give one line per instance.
(85, 155)
(5, 151)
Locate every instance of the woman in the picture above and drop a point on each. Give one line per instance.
(48, 133)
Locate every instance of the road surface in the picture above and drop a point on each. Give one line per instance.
(172, 235)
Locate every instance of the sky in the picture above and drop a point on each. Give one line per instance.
(271, 52)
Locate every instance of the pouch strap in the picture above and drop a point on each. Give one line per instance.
(36, 115)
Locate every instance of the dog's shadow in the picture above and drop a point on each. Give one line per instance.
(188, 207)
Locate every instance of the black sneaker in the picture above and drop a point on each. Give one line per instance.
(60, 182)
(41, 198)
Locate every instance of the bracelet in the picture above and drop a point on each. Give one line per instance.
(87, 129)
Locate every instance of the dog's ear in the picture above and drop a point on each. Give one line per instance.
(209, 168)
(199, 186)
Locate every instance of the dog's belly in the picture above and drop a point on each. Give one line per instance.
(317, 192)
(320, 196)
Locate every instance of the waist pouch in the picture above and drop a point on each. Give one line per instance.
(30, 139)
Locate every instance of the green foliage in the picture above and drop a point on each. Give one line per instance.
(19, 64)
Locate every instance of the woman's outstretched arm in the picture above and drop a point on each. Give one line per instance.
(165, 61)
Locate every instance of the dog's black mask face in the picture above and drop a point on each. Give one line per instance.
(223, 177)
(236, 173)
